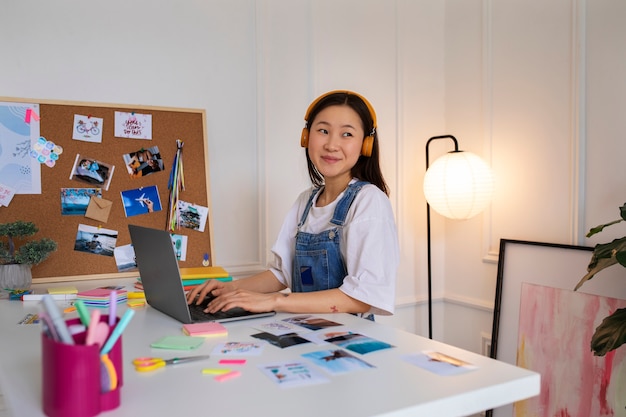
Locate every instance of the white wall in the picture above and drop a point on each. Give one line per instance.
(538, 87)
(532, 86)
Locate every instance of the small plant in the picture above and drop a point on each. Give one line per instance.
(611, 333)
(29, 252)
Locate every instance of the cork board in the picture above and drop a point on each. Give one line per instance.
(58, 124)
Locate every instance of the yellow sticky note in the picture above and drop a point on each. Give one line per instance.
(63, 290)
(136, 303)
(215, 371)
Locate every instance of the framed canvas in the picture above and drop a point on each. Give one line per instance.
(555, 328)
(548, 264)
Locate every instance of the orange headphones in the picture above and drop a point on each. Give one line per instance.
(368, 141)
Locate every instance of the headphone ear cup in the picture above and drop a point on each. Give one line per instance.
(304, 139)
(368, 145)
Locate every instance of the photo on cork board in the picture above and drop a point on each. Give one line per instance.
(74, 201)
(141, 200)
(92, 171)
(95, 240)
(143, 162)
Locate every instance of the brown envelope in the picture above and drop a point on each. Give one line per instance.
(99, 209)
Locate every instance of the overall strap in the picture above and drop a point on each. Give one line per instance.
(341, 210)
(305, 213)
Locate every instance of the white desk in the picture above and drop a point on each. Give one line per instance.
(394, 388)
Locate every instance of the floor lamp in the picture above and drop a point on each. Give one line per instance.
(458, 185)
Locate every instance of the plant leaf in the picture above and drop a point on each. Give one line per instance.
(610, 334)
(604, 255)
(601, 227)
(622, 211)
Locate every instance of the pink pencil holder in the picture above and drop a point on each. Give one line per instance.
(71, 377)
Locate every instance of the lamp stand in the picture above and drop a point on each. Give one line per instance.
(430, 289)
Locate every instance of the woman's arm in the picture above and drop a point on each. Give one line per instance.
(264, 282)
(326, 301)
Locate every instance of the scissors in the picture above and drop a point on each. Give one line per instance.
(146, 364)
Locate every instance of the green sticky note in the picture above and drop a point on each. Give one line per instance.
(178, 342)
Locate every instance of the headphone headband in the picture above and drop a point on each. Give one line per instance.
(323, 96)
(368, 141)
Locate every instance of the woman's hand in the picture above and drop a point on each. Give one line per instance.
(248, 300)
(211, 287)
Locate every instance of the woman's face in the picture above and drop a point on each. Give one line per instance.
(335, 141)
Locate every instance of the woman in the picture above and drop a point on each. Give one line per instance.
(337, 250)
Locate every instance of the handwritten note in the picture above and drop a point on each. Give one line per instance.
(133, 125)
(6, 195)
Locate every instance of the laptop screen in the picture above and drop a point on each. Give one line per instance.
(162, 283)
(158, 268)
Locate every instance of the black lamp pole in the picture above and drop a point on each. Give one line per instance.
(430, 290)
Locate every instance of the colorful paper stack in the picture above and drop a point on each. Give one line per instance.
(193, 277)
(100, 297)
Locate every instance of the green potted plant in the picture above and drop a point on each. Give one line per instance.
(16, 262)
(611, 333)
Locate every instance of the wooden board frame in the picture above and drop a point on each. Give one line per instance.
(168, 125)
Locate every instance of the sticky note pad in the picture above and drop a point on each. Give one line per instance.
(205, 329)
(178, 343)
(63, 290)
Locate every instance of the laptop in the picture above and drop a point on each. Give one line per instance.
(162, 283)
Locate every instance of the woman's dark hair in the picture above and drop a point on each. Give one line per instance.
(367, 168)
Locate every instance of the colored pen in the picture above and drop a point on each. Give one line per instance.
(57, 319)
(39, 297)
(112, 308)
(47, 326)
(83, 313)
(92, 326)
(117, 331)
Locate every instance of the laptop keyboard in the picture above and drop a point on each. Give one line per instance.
(197, 313)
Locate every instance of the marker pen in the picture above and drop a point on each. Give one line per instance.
(57, 319)
(117, 332)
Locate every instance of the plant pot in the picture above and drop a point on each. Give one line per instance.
(15, 276)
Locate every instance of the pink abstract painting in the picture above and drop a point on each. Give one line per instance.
(555, 330)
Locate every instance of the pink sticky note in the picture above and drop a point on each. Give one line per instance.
(226, 377)
(27, 116)
(232, 361)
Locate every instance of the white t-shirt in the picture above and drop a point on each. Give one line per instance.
(369, 246)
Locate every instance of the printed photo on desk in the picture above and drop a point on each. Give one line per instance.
(311, 322)
(282, 341)
(337, 361)
(291, 374)
(356, 342)
(439, 363)
(239, 348)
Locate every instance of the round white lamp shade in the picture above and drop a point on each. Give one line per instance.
(459, 185)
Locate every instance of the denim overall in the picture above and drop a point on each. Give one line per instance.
(318, 264)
